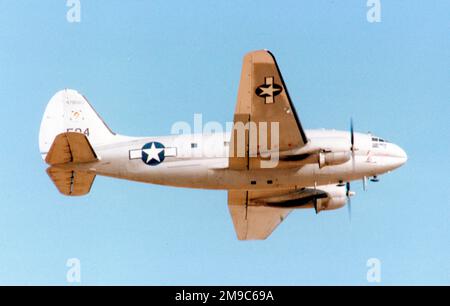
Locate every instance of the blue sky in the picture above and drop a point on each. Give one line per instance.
(146, 64)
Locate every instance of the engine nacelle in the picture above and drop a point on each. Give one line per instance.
(328, 197)
(333, 158)
(331, 203)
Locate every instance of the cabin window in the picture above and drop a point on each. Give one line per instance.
(253, 182)
(194, 145)
(270, 182)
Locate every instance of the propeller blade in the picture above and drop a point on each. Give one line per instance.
(349, 201)
(349, 208)
(352, 142)
(352, 137)
(315, 197)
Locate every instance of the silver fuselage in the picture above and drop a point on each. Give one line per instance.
(201, 161)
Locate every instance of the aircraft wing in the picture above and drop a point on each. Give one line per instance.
(263, 97)
(251, 220)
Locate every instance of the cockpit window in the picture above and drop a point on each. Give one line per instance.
(378, 142)
(376, 139)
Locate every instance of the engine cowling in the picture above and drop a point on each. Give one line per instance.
(336, 198)
(331, 203)
(333, 158)
(327, 197)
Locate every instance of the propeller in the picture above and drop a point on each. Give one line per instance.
(349, 194)
(348, 191)
(315, 197)
(352, 142)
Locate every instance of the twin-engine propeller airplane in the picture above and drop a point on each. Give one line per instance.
(301, 169)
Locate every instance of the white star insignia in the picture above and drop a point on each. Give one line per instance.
(153, 153)
(269, 90)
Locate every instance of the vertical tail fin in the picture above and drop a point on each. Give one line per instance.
(69, 111)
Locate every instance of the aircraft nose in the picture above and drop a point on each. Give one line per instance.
(399, 154)
(403, 154)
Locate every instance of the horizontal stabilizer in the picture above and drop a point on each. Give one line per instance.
(70, 147)
(70, 182)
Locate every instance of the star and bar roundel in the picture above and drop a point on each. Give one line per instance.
(269, 90)
(153, 153)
